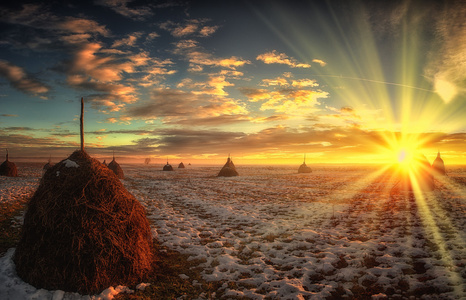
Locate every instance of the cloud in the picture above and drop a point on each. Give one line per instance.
(193, 27)
(279, 81)
(214, 86)
(175, 141)
(320, 62)
(175, 105)
(38, 17)
(93, 68)
(20, 80)
(280, 58)
(447, 68)
(208, 30)
(8, 115)
(152, 36)
(121, 7)
(206, 59)
(304, 83)
(199, 58)
(129, 41)
(285, 99)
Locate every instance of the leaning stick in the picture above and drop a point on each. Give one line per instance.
(81, 124)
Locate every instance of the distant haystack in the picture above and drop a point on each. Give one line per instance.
(8, 168)
(83, 231)
(181, 166)
(115, 167)
(229, 169)
(48, 165)
(168, 167)
(419, 179)
(104, 163)
(304, 168)
(438, 166)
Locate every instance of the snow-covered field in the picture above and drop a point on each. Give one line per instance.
(272, 233)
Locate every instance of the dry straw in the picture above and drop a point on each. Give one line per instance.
(115, 167)
(304, 168)
(229, 169)
(8, 168)
(83, 231)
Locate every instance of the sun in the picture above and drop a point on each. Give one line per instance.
(411, 167)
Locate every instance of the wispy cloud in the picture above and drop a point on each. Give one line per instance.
(129, 41)
(285, 99)
(320, 62)
(274, 57)
(38, 16)
(193, 27)
(20, 80)
(175, 105)
(121, 7)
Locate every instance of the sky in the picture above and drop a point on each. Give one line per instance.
(264, 81)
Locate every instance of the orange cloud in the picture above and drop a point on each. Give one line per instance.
(128, 41)
(285, 100)
(279, 81)
(280, 58)
(20, 80)
(304, 83)
(320, 62)
(175, 105)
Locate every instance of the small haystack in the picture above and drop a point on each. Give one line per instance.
(8, 168)
(438, 166)
(229, 169)
(105, 163)
(115, 167)
(83, 231)
(168, 167)
(304, 168)
(181, 166)
(48, 165)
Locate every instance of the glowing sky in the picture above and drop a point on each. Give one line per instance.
(267, 81)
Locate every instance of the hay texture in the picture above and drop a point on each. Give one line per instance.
(115, 167)
(48, 165)
(438, 166)
(181, 165)
(304, 169)
(228, 170)
(8, 168)
(83, 231)
(167, 167)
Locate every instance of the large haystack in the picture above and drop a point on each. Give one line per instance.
(8, 168)
(115, 167)
(304, 168)
(229, 169)
(168, 167)
(83, 231)
(438, 166)
(181, 165)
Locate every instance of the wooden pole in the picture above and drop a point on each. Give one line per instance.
(81, 124)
